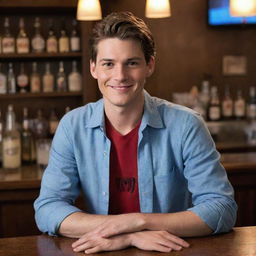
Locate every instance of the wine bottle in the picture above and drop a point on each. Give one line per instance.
(48, 79)
(8, 41)
(61, 79)
(3, 81)
(22, 41)
(38, 42)
(74, 79)
(35, 81)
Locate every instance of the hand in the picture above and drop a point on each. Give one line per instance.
(117, 224)
(161, 241)
(98, 244)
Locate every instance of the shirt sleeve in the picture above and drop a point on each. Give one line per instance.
(60, 185)
(212, 194)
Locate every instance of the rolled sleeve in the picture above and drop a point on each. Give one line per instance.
(60, 185)
(212, 193)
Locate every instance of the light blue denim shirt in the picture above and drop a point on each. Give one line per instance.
(178, 167)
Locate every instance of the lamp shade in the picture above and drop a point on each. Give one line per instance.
(242, 8)
(88, 10)
(158, 9)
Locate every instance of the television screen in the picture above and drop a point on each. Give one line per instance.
(218, 15)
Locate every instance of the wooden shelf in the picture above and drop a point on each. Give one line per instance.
(40, 95)
(43, 55)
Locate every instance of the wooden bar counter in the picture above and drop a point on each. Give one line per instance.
(239, 242)
(19, 189)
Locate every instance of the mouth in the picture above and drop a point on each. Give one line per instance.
(120, 87)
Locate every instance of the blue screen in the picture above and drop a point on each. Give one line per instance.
(218, 14)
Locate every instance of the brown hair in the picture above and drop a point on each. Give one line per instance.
(122, 25)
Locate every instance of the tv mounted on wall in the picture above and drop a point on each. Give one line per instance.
(218, 15)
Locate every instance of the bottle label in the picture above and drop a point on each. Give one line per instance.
(11, 153)
(64, 44)
(239, 108)
(227, 108)
(22, 45)
(48, 83)
(22, 81)
(75, 82)
(35, 84)
(8, 44)
(252, 111)
(75, 44)
(52, 45)
(61, 84)
(38, 44)
(214, 113)
(3, 84)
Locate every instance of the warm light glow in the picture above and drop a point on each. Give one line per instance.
(88, 10)
(243, 8)
(158, 9)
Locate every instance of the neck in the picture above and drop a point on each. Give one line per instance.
(124, 119)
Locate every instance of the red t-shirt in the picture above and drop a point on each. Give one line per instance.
(123, 184)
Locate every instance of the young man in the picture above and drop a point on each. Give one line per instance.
(148, 169)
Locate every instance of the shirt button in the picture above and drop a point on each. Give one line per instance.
(104, 193)
(104, 153)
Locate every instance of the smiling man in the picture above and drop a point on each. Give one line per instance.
(148, 169)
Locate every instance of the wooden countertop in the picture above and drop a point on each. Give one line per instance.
(239, 242)
(30, 176)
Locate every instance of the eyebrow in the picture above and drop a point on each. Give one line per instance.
(130, 59)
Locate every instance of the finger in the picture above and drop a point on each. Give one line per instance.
(160, 248)
(171, 245)
(177, 240)
(83, 247)
(93, 250)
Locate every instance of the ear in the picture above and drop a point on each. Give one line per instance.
(93, 69)
(151, 66)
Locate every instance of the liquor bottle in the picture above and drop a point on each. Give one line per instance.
(251, 106)
(214, 112)
(74, 38)
(1, 135)
(74, 79)
(0, 43)
(27, 139)
(48, 79)
(51, 42)
(204, 96)
(41, 127)
(53, 122)
(35, 81)
(22, 41)
(8, 41)
(11, 81)
(11, 142)
(3, 81)
(38, 42)
(67, 109)
(227, 105)
(239, 106)
(22, 80)
(61, 81)
(63, 40)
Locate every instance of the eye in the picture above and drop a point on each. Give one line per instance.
(107, 64)
(132, 63)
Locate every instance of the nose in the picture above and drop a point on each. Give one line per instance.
(120, 73)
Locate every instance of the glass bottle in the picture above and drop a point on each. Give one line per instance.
(35, 81)
(48, 79)
(40, 126)
(27, 140)
(53, 122)
(51, 42)
(251, 105)
(3, 81)
(11, 142)
(22, 80)
(227, 105)
(63, 40)
(61, 82)
(22, 41)
(74, 79)
(38, 42)
(67, 109)
(239, 106)
(214, 112)
(11, 81)
(74, 38)
(8, 41)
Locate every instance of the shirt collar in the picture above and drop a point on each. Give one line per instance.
(151, 115)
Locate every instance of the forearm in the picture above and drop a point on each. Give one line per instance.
(182, 224)
(77, 224)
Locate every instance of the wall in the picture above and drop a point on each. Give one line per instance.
(187, 47)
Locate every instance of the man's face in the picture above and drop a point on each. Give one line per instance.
(121, 71)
